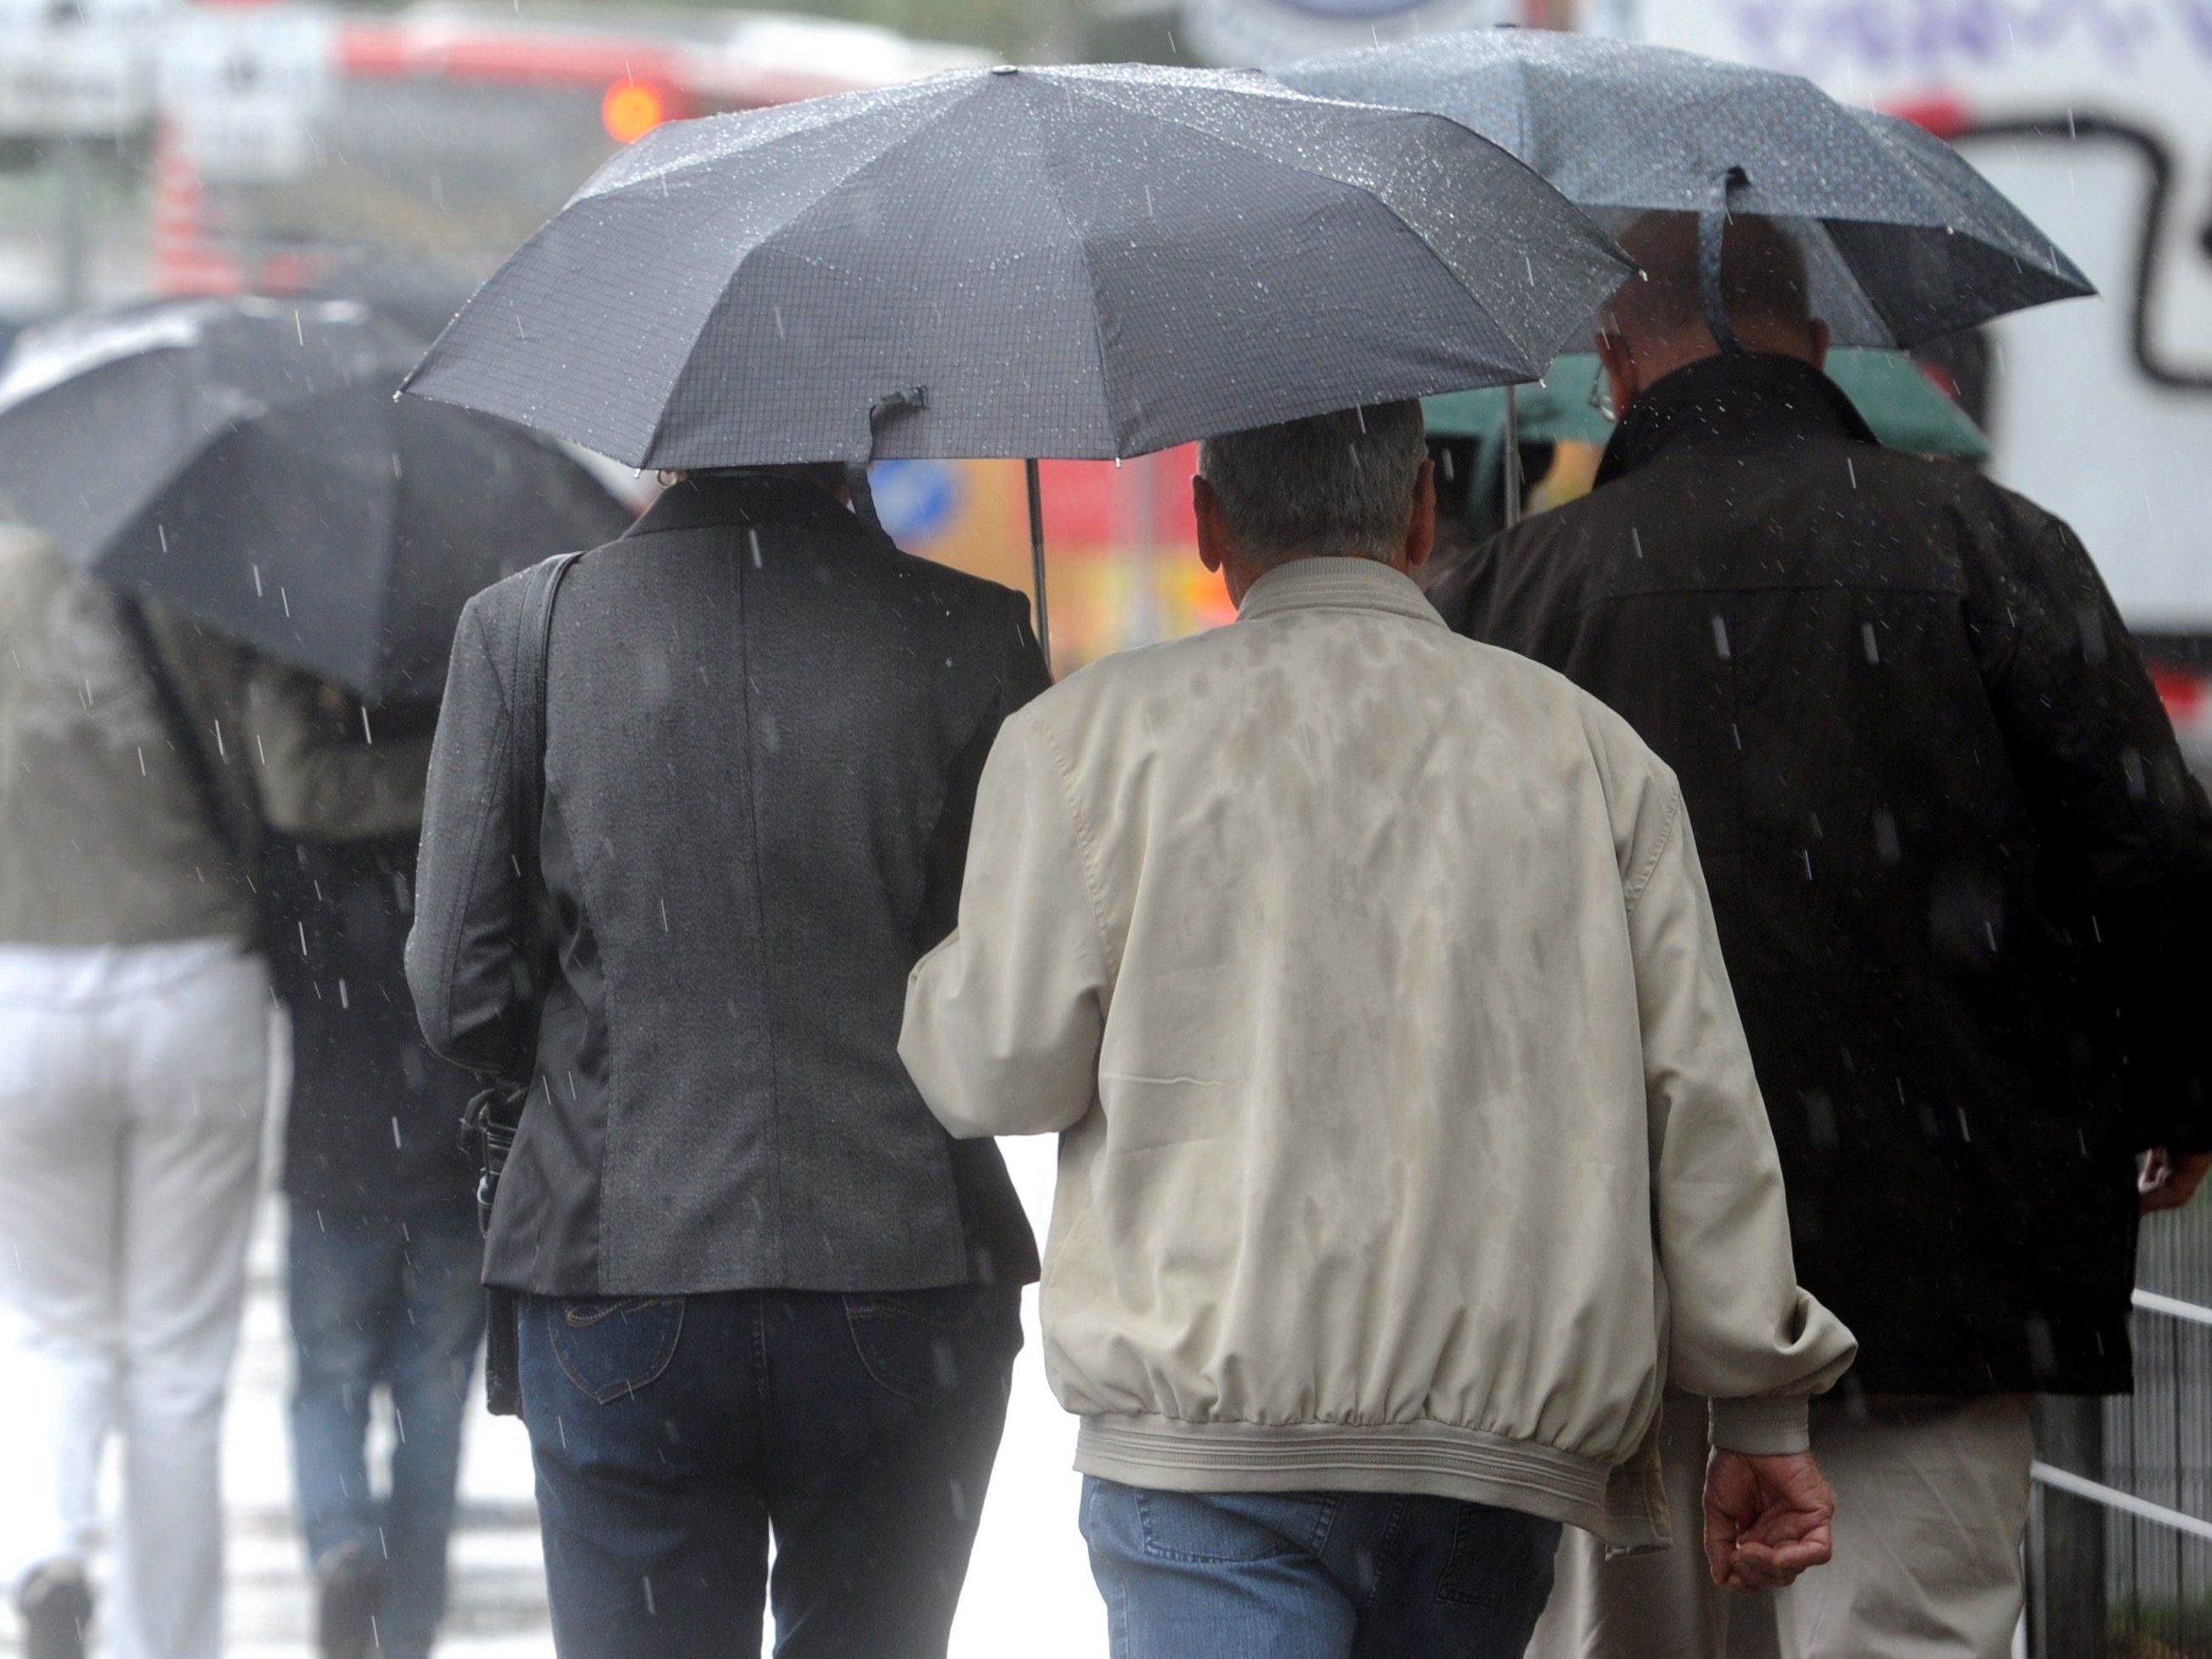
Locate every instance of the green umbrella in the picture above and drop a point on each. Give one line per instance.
(1904, 406)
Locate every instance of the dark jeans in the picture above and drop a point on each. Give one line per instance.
(389, 1302)
(1314, 1575)
(672, 1434)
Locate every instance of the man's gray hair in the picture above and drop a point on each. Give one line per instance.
(1339, 484)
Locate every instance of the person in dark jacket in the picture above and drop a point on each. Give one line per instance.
(763, 1289)
(1960, 876)
(383, 1242)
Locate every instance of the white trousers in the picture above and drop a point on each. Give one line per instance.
(1931, 1498)
(130, 1129)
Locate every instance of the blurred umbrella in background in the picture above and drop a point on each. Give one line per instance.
(1906, 409)
(1085, 263)
(246, 462)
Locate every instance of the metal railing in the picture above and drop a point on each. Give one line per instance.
(2120, 1542)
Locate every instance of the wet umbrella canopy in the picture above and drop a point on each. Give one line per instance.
(1083, 262)
(1903, 239)
(246, 462)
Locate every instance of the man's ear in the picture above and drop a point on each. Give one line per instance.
(1819, 331)
(1619, 364)
(1213, 534)
(1421, 528)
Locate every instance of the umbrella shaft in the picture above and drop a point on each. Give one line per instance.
(1512, 480)
(72, 195)
(1037, 559)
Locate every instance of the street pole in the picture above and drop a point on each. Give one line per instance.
(73, 219)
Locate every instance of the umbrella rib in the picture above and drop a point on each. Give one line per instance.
(1082, 244)
(1398, 116)
(1234, 140)
(760, 242)
(201, 443)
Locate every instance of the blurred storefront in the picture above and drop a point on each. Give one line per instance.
(1118, 537)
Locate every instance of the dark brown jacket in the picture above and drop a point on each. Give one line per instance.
(1962, 878)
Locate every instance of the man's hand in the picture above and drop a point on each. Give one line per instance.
(2169, 1180)
(1766, 1519)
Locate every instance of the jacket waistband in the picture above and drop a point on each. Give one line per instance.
(1429, 1459)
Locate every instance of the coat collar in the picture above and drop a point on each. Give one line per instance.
(722, 500)
(1739, 397)
(1335, 584)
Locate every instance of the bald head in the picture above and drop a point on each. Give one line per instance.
(1654, 323)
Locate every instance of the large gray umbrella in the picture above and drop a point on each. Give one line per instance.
(246, 462)
(1903, 238)
(1081, 263)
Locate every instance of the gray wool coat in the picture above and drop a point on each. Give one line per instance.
(764, 726)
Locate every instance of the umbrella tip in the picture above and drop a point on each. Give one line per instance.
(1005, 68)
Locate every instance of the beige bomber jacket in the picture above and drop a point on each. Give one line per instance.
(1409, 1138)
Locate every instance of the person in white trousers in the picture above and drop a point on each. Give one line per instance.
(134, 1074)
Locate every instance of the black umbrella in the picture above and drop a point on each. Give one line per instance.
(246, 462)
(1085, 262)
(1904, 239)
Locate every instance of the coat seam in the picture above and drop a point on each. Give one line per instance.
(1651, 862)
(1085, 859)
(449, 969)
(751, 761)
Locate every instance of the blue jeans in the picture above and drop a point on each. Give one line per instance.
(1314, 1575)
(395, 1304)
(672, 1434)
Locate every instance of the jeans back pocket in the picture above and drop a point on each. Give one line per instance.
(612, 1347)
(922, 1345)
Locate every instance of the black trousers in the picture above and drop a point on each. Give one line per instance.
(671, 1434)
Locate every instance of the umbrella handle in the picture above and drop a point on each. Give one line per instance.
(1712, 230)
(1037, 559)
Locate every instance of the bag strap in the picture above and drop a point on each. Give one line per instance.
(184, 732)
(527, 753)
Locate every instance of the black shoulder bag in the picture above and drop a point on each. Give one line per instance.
(494, 1115)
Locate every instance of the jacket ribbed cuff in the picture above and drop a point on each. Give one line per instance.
(1767, 1426)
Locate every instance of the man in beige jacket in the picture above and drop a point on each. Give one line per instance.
(1410, 1144)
